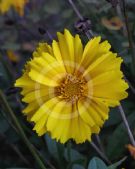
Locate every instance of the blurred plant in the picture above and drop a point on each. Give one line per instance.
(13, 57)
(113, 24)
(18, 5)
(131, 149)
(20, 130)
(121, 9)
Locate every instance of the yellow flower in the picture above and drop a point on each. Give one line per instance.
(18, 5)
(69, 89)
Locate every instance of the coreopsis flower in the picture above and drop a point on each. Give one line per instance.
(69, 90)
(18, 5)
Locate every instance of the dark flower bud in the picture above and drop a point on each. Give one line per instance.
(41, 30)
(82, 26)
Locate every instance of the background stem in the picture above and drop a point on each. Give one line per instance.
(122, 3)
(5, 104)
(100, 152)
(126, 125)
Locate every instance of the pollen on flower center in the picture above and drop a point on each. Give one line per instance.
(72, 88)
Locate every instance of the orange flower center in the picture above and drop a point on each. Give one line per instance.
(72, 88)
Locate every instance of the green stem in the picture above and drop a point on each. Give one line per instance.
(5, 104)
(131, 137)
(102, 155)
(131, 43)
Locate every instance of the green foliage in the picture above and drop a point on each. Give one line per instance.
(116, 145)
(96, 163)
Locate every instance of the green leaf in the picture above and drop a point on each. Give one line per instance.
(4, 126)
(53, 147)
(96, 163)
(77, 166)
(114, 118)
(115, 165)
(74, 155)
(116, 145)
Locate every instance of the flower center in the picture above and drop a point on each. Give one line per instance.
(72, 88)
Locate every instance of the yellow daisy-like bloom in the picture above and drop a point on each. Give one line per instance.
(69, 89)
(18, 5)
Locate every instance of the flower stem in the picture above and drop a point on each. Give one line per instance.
(76, 10)
(5, 104)
(126, 125)
(88, 32)
(122, 3)
(100, 152)
(130, 85)
(120, 14)
(100, 143)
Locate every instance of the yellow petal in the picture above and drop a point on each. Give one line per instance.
(84, 114)
(78, 50)
(113, 89)
(42, 131)
(69, 40)
(66, 49)
(31, 107)
(80, 131)
(38, 94)
(45, 109)
(93, 113)
(90, 52)
(59, 121)
(46, 70)
(40, 124)
(109, 61)
(42, 48)
(24, 81)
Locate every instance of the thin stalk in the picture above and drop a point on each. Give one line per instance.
(126, 125)
(131, 43)
(88, 33)
(4, 139)
(49, 35)
(100, 143)
(120, 14)
(100, 152)
(5, 104)
(130, 85)
(76, 10)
